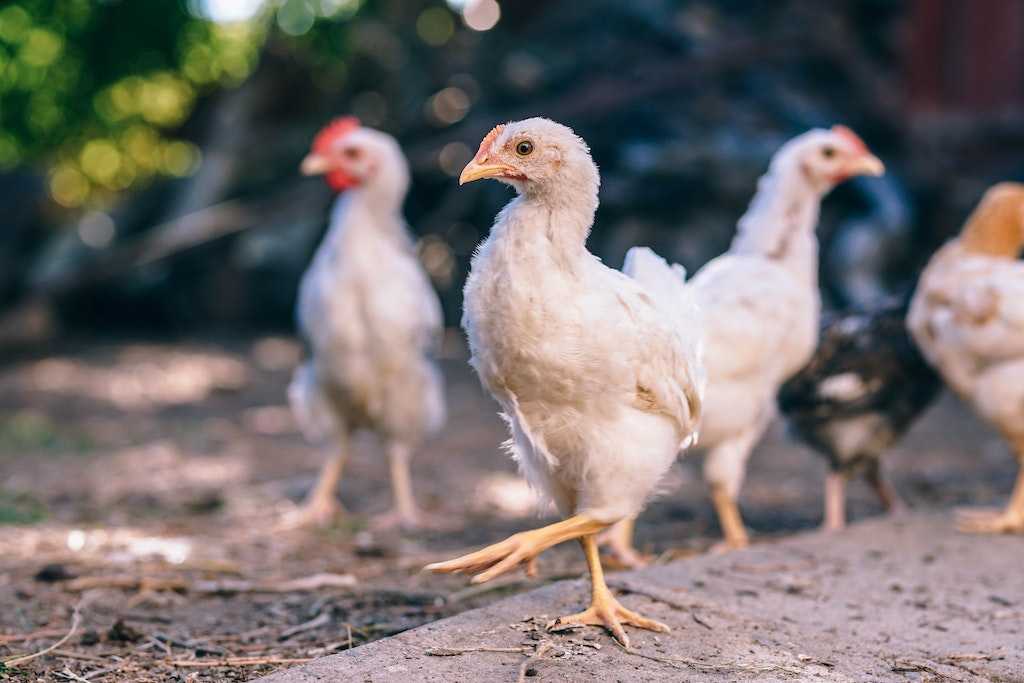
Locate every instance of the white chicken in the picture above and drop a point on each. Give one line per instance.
(597, 373)
(760, 310)
(371, 319)
(967, 317)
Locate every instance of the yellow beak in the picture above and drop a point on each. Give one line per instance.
(315, 164)
(475, 171)
(868, 164)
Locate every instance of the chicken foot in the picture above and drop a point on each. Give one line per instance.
(887, 495)
(495, 560)
(619, 541)
(1007, 521)
(404, 512)
(604, 609)
(321, 506)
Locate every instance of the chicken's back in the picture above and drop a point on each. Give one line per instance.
(967, 318)
(862, 389)
(760, 327)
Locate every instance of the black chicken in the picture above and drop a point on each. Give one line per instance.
(862, 390)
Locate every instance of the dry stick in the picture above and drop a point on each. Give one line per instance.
(321, 619)
(35, 635)
(236, 661)
(76, 618)
(70, 654)
(72, 676)
(707, 668)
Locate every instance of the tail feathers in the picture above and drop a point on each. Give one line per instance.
(667, 286)
(311, 408)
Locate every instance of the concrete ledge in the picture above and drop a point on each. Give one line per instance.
(887, 600)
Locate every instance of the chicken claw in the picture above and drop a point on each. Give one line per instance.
(495, 560)
(606, 611)
(990, 522)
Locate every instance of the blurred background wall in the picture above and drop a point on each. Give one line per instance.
(149, 150)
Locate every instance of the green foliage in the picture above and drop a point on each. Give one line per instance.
(98, 89)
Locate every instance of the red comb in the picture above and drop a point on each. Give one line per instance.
(488, 142)
(334, 131)
(851, 138)
(326, 139)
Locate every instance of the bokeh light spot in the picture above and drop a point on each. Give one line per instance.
(96, 229)
(481, 15)
(435, 26)
(68, 186)
(296, 17)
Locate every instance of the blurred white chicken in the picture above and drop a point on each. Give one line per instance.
(598, 374)
(371, 319)
(967, 316)
(760, 309)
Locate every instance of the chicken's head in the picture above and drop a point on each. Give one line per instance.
(826, 158)
(535, 156)
(996, 227)
(350, 155)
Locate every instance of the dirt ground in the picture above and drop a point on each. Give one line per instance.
(142, 486)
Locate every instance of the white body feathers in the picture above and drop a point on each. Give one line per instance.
(372, 321)
(967, 317)
(593, 370)
(761, 310)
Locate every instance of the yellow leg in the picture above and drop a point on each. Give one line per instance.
(729, 518)
(1007, 521)
(619, 540)
(495, 560)
(604, 609)
(835, 501)
(321, 506)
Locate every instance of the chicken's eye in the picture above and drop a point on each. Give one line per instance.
(524, 148)
(352, 153)
(828, 151)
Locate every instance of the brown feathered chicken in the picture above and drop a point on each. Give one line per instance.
(967, 316)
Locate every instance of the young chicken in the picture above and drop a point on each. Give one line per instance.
(370, 317)
(760, 311)
(967, 316)
(864, 387)
(598, 373)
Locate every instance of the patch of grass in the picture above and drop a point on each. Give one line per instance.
(32, 431)
(20, 508)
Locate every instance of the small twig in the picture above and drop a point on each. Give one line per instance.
(71, 654)
(972, 657)
(35, 635)
(696, 618)
(72, 676)
(914, 666)
(76, 618)
(456, 651)
(322, 619)
(542, 650)
(236, 661)
(348, 629)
